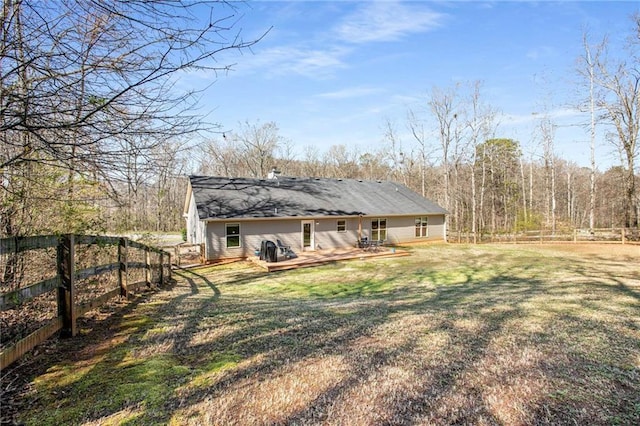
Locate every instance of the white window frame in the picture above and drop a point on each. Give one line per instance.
(422, 227)
(338, 225)
(227, 235)
(377, 231)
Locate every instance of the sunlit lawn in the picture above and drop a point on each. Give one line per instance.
(452, 334)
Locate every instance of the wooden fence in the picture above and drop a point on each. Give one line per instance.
(188, 254)
(66, 279)
(602, 235)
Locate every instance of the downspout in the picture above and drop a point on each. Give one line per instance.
(204, 244)
(445, 228)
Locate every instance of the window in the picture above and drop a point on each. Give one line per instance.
(342, 225)
(233, 235)
(379, 229)
(421, 226)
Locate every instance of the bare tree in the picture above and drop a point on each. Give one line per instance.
(86, 84)
(443, 107)
(617, 85)
(547, 133)
(342, 162)
(481, 125)
(257, 144)
(313, 166)
(219, 158)
(416, 126)
(589, 62)
(100, 68)
(395, 152)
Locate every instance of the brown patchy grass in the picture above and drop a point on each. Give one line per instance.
(453, 334)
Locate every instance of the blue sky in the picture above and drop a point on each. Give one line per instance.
(331, 73)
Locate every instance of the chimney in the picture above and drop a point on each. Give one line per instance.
(273, 174)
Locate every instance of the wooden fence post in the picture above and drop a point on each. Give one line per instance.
(623, 235)
(122, 270)
(169, 267)
(161, 268)
(66, 293)
(147, 266)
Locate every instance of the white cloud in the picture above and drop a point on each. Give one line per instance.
(317, 63)
(325, 54)
(351, 92)
(387, 21)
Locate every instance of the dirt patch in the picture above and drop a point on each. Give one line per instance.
(611, 251)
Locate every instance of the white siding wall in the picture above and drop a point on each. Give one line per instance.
(195, 227)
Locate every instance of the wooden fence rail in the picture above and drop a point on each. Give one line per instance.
(68, 307)
(612, 235)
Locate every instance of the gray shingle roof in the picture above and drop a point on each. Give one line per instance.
(237, 198)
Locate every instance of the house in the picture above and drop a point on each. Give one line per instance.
(232, 216)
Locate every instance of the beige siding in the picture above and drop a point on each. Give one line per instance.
(402, 229)
(327, 235)
(252, 233)
(289, 231)
(437, 227)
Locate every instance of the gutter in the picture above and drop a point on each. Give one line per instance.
(354, 216)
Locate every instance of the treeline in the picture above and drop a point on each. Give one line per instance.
(511, 192)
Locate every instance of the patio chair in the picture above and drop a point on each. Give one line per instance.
(285, 250)
(375, 245)
(363, 243)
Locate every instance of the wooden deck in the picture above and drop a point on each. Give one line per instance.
(323, 257)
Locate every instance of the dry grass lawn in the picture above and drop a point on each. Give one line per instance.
(454, 334)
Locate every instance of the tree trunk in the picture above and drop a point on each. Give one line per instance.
(524, 194)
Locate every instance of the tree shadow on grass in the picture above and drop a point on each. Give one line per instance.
(334, 335)
(58, 351)
(322, 332)
(57, 357)
(191, 276)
